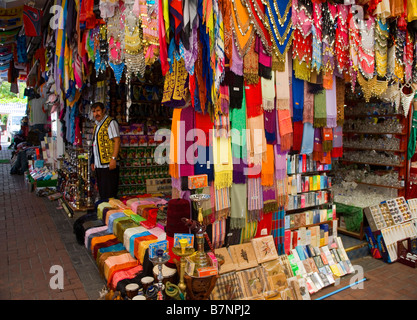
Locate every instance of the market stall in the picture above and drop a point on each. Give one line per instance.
(246, 126)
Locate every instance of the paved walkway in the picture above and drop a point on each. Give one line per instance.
(35, 235)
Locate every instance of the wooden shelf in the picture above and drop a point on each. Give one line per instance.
(309, 173)
(358, 235)
(326, 189)
(349, 116)
(379, 185)
(313, 225)
(307, 208)
(375, 149)
(375, 164)
(366, 132)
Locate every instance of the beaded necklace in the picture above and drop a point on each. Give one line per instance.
(134, 58)
(280, 28)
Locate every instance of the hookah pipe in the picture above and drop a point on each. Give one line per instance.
(195, 226)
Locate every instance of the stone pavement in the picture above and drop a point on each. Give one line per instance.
(35, 235)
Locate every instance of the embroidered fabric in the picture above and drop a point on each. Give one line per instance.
(366, 49)
(342, 39)
(279, 19)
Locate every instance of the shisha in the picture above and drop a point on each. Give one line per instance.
(160, 259)
(199, 228)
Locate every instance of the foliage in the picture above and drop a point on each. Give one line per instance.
(9, 97)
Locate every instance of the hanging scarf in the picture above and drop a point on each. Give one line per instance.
(320, 117)
(337, 151)
(297, 98)
(253, 96)
(282, 88)
(225, 8)
(236, 88)
(238, 131)
(265, 60)
(340, 100)
(279, 22)
(173, 145)
(331, 106)
(256, 10)
(204, 124)
(187, 119)
(255, 199)
(243, 31)
(223, 164)
(308, 110)
(269, 197)
(297, 136)
(317, 148)
(267, 173)
(308, 139)
(317, 38)
(239, 174)
(281, 176)
(327, 139)
(285, 128)
(222, 203)
(204, 164)
(268, 93)
(250, 65)
(238, 204)
(255, 140)
(270, 119)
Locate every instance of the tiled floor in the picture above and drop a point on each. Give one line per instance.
(35, 235)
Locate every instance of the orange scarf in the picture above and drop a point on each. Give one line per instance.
(241, 20)
(173, 152)
(267, 173)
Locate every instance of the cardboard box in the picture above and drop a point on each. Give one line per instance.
(207, 271)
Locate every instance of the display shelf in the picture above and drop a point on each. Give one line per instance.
(351, 116)
(309, 173)
(379, 133)
(379, 185)
(298, 210)
(314, 224)
(375, 164)
(375, 149)
(302, 192)
(359, 235)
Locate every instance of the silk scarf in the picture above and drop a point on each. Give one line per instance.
(223, 165)
(243, 31)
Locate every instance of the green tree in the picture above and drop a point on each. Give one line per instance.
(6, 96)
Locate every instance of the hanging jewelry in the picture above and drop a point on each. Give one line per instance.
(134, 58)
(406, 99)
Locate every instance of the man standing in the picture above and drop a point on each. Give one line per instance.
(106, 147)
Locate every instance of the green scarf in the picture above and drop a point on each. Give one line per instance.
(238, 133)
(320, 115)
